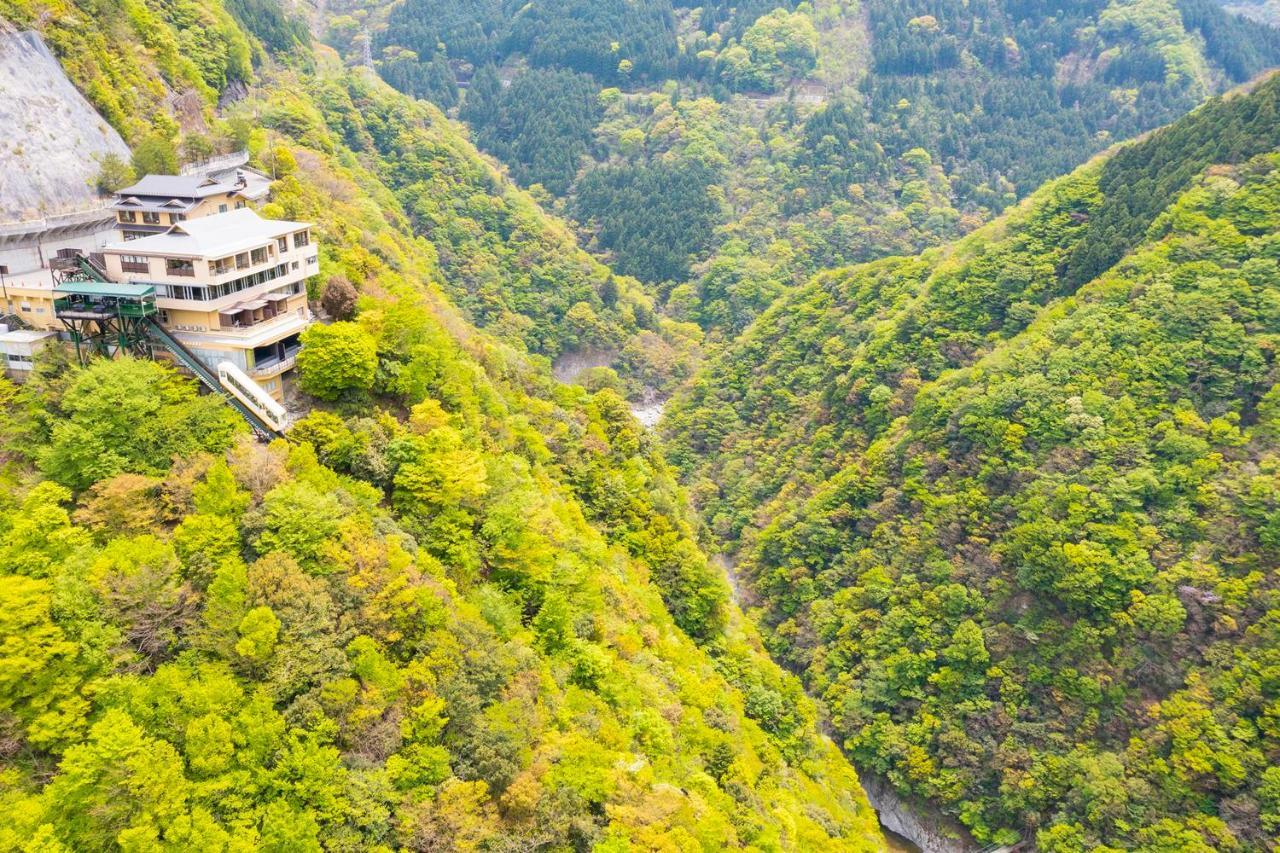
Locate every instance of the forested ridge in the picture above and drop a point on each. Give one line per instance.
(462, 608)
(1001, 490)
(1008, 505)
(798, 136)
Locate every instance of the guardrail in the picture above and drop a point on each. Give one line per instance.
(216, 163)
(78, 218)
(275, 367)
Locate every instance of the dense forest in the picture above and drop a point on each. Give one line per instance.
(808, 117)
(1009, 507)
(461, 608)
(987, 435)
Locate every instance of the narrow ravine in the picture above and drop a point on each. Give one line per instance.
(908, 827)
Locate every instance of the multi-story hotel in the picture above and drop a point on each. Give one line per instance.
(230, 287)
(29, 247)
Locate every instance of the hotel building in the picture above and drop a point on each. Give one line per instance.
(230, 287)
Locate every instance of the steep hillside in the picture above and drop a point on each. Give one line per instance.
(726, 155)
(1008, 506)
(463, 610)
(830, 366)
(514, 269)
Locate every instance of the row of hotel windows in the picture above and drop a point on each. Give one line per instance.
(244, 260)
(152, 217)
(198, 293)
(149, 217)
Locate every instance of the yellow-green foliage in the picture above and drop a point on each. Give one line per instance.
(483, 657)
(1158, 23)
(1017, 502)
(458, 611)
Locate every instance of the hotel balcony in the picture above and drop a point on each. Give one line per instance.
(271, 367)
(251, 336)
(244, 264)
(255, 313)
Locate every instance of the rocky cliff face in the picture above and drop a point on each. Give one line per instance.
(51, 138)
(923, 826)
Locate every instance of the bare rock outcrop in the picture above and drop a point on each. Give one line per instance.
(53, 140)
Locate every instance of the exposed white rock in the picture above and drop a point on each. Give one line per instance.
(52, 139)
(917, 822)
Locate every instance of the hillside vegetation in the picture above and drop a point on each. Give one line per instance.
(727, 152)
(512, 268)
(462, 609)
(1008, 506)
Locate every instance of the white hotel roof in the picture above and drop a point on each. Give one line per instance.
(213, 236)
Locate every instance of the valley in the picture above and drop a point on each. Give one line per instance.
(771, 425)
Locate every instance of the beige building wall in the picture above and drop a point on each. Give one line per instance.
(210, 206)
(257, 300)
(31, 299)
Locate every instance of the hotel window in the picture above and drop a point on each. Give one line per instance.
(222, 208)
(242, 260)
(283, 244)
(239, 205)
(151, 217)
(260, 256)
(135, 263)
(135, 235)
(301, 239)
(179, 266)
(177, 217)
(128, 216)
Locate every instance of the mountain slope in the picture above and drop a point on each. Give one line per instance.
(514, 269)
(1015, 531)
(831, 364)
(463, 610)
(728, 157)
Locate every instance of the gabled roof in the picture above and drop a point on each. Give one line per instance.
(178, 187)
(213, 236)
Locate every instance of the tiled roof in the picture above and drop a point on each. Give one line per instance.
(178, 186)
(213, 236)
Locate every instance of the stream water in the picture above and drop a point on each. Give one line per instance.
(898, 843)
